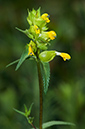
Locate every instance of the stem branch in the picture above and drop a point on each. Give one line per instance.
(33, 126)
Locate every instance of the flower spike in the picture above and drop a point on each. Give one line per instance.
(40, 39)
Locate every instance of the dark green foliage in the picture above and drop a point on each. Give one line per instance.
(45, 71)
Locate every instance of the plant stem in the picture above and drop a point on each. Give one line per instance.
(33, 126)
(40, 95)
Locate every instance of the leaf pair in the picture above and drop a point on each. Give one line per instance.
(26, 113)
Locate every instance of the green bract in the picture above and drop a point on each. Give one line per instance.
(34, 18)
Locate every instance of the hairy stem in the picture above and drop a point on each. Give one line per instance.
(40, 95)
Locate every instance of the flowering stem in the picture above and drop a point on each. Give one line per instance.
(40, 95)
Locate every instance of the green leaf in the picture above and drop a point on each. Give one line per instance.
(23, 57)
(51, 123)
(45, 71)
(12, 63)
(30, 107)
(22, 113)
(23, 31)
(26, 110)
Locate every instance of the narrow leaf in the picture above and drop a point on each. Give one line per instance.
(27, 112)
(20, 30)
(23, 57)
(30, 107)
(25, 108)
(51, 123)
(45, 71)
(12, 63)
(22, 113)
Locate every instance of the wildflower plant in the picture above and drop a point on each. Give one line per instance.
(36, 50)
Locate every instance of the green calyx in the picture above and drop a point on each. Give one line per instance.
(47, 56)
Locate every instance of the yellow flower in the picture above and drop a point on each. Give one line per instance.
(30, 51)
(37, 30)
(52, 34)
(65, 56)
(45, 17)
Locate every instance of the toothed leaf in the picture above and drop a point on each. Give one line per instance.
(22, 113)
(45, 71)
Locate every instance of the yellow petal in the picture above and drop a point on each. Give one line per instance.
(30, 51)
(47, 20)
(65, 56)
(37, 30)
(45, 17)
(52, 35)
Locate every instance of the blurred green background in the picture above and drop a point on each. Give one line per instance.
(65, 99)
